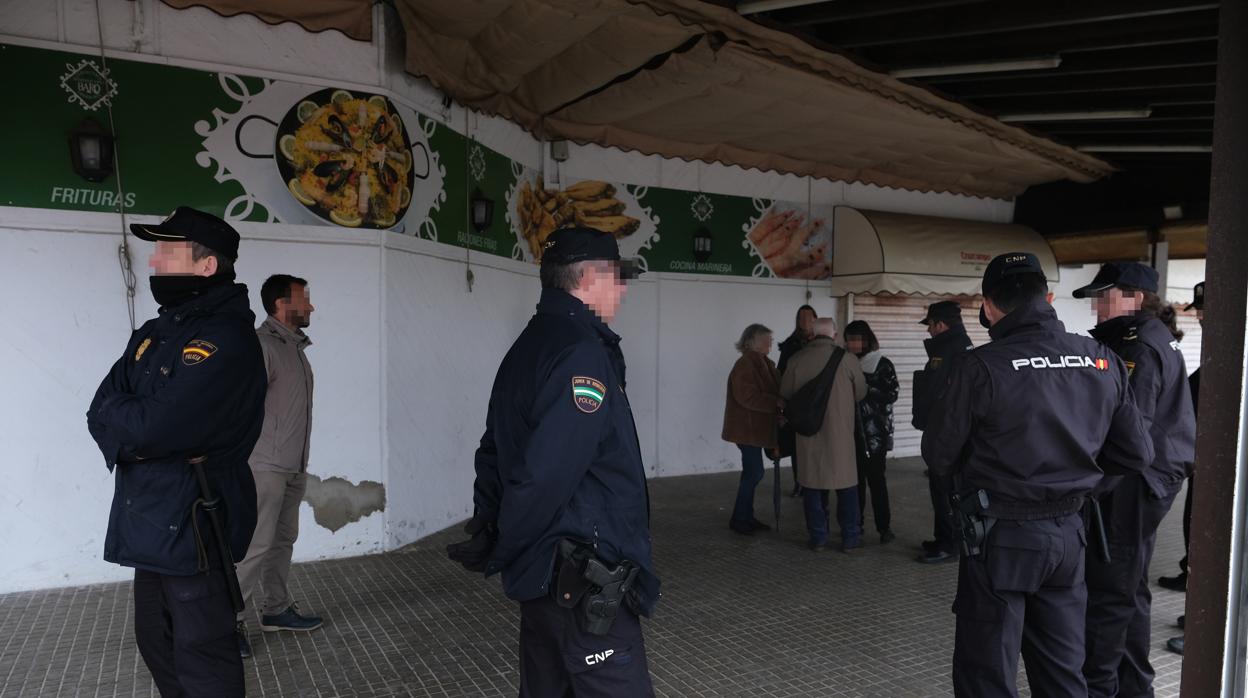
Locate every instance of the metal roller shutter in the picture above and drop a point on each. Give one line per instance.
(895, 321)
(1190, 344)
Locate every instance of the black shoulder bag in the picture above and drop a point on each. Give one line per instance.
(806, 409)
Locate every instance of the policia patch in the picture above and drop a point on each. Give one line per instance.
(588, 394)
(197, 351)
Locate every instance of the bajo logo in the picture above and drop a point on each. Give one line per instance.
(598, 657)
(1060, 362)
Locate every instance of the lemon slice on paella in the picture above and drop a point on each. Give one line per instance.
(402, 161)
(302, 196)
(379, 102)
(341, 97)
(306, 110)
(348, 220)
(387, 222)
(286, 144)
(405, 197)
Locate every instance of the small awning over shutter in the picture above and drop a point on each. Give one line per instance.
(877, 252)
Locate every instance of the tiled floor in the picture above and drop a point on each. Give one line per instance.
(740, 616)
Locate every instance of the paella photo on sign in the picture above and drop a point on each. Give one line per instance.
(346, 156)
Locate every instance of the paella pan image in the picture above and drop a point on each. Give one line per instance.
(347, 158)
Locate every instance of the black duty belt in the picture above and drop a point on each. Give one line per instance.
(1033, 511)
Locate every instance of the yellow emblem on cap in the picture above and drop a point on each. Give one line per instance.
(1130, 367)
(142, 348)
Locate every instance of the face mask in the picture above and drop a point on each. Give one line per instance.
(172, 291)
(983, 318)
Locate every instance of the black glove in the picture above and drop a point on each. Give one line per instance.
(474, 554)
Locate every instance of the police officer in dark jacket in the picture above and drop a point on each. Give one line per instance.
(188, 391)
(561, 507)
(1139, 327)
(947, 344)
(1030, 424)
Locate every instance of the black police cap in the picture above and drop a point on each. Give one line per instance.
(943, 311)
(1198, 297)
(1010, 264)
(186, 224)
(581, 244)
(1131, 274)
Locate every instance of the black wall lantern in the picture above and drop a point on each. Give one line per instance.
(702, 245)
(91, 150)
(481, 211)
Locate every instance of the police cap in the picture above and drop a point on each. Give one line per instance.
(581, 244)
(1010, 264)
(1131, 274)
(1198, 297)
(186, 224)
(944, 311)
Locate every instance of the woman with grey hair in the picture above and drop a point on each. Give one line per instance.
(751, 416)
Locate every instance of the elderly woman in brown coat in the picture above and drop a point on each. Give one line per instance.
(751, 415)
(829, 460)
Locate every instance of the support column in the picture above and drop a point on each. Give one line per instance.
(1213, 629)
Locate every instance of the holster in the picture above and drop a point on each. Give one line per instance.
(971, 522)
(584, 582)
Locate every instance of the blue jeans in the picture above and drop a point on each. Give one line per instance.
(847, 516)
(751, 475)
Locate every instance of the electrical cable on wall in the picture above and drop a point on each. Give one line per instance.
(125, 260)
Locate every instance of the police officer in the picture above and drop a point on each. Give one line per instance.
(1029, 425)
(186, 395)
(1139, 327)
(1179, 582)
(947, 343)
(561, 507)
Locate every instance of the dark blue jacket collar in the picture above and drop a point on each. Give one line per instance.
(954, 339)
(562, 303)
(1036, 315)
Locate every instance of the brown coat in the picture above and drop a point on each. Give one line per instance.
(751, 409)
(828, 460)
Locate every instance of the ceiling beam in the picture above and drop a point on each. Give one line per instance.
(1139, 33)
(1181, 96)
(1193, 54)
(1161, 79)
(973, 20)
(1193, 126)
(845, 10)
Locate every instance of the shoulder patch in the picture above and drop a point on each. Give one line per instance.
(142, 348)
(197, 351)
(588, 394)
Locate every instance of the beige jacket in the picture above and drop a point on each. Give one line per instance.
(827, 459)
(284, 439)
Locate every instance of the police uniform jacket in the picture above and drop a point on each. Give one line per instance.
(1159, 381)
(191, 384)
(1037, 415)
(942, 351)
(560, 457)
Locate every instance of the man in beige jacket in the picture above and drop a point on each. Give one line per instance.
(279, 461)
(828, 458)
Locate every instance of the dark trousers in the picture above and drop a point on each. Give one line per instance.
(1025, 594)
(184, 627)
(751, 475)
(559, 660)
(1119, 600)
(847, 516)
(871, 476)
(939, 487)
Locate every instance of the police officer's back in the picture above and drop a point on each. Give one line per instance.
(1030, 424)
(561, 508)
(189, 389)
(1130, 315)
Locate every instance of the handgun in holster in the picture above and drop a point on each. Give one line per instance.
(971, 522)
(586, 583)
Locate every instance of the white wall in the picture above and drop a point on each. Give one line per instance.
(404, 355)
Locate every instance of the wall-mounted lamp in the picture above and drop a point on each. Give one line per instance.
(702, 241)
(91, 151)
(482, 211)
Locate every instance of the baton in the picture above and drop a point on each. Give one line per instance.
(211, 508)
(1098, 531)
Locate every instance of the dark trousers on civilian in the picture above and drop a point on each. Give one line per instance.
(847, 516)
(751, 475)
(871, 477)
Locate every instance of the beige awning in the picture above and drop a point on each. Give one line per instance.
(692, 80)
(878, 252)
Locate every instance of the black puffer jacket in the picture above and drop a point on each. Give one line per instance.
(875, 412)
